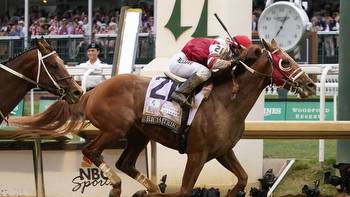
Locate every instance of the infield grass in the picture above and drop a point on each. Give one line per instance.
(306, 169)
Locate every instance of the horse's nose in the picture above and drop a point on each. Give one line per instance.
(311, 85)
(78, 93)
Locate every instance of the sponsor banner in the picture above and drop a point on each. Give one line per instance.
(297, 110)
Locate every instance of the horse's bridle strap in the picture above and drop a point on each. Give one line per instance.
(251, 70)
(17, 74)
(37, 82)
(3, 117)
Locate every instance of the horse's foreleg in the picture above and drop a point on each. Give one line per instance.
(93, 151)
(126, 162)
(230, 162)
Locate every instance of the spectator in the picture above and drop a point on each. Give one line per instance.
(328, 24)
(13, 31)
(70, 27)
(79, 29)
(94, 62)
(35, 28)
(63, 29)
(103, 29)
(45, 28)
(20, 28)
(254, 23)
(316, 26)
(53, 29)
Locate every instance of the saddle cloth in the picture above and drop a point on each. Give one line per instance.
(159, 110)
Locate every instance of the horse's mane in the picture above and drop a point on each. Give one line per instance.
(18, 54)
(24, 52)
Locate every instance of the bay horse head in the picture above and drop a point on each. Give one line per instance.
(53, 76)
(38, 66)
(283, 71)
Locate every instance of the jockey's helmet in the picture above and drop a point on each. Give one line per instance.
(241, 41)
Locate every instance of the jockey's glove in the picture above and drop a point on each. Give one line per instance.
(222, 64)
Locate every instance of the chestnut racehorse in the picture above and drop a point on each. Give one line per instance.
(116, 105)
(40, 67)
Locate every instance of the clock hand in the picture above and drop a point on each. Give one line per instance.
(281, 27)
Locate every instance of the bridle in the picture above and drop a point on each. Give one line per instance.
(60, 91)
(289, 79)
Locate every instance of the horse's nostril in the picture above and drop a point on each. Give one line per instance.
(78, 93)
(311, 85)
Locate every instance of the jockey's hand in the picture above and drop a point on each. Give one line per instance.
(222, 64)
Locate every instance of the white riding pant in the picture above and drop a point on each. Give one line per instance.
(182, 67)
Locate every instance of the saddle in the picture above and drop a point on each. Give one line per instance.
(159, 109)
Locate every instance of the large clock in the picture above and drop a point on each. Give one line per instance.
(286, 22)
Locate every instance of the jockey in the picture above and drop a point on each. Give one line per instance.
(198, 58)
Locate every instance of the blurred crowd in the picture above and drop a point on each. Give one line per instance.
(105, 21)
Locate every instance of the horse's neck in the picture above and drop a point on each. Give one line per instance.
(13, 88)
(250, 87)
(249, 92)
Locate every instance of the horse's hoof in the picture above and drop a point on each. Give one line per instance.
(114, 192)
(241, 194)
(140, 193)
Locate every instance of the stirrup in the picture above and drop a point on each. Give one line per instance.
(182, 102)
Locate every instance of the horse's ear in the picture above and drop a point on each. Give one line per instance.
(266, 44)
(274, 43)
(40, 45)
(43, 41)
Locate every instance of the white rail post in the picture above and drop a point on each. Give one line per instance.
(37, 158)
(322, 110)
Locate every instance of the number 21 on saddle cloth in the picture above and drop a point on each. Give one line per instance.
(160, 110)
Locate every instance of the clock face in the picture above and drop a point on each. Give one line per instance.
(284, 22)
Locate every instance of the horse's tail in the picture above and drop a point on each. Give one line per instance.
(59, 119)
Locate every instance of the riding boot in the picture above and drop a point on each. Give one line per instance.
(181, 93)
